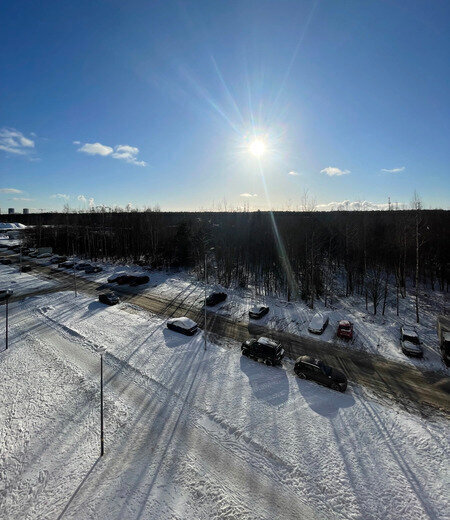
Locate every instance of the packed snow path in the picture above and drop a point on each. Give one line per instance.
(193, 434)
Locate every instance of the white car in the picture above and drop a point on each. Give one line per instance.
(183, 325)
(318, 323)
(410, 343)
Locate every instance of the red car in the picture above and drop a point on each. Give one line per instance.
(345, 329)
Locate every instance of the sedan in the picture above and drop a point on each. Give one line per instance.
(183, 325)
(410, 343)
(93, 269)
(139, 280)
(307, 367)
(215, 298)
(119, 278)
(82, 266)
(66, 265)
(109, 298)
(318, 324)
(258, 312)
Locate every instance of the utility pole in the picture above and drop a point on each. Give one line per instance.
(101, 351)
(5, 296)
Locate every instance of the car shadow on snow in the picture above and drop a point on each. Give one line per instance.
(323, 400)
(268, 384)
(175, 339)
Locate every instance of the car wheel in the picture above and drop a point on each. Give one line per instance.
(301, 375)
(335, 386)
(245, 352)
(268, 362)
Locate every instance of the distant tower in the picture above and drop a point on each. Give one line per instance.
(26, 211)
(10, 211)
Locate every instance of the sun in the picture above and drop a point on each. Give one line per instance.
(257, 147)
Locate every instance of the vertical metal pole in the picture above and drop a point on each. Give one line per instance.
(74, 281)
(20, 259)
(102, 449)
(6, 324)
(205, 302)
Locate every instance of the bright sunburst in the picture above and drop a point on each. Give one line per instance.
(257, 147)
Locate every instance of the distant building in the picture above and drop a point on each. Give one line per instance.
(10, 211)
(26, 211)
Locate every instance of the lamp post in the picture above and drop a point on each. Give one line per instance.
(101, 351)
(5, 295)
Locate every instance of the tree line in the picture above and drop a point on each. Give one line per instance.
(289, 254)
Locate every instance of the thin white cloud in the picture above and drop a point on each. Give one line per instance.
(358, 205)
(60, 196)
(394, 170)
(333, 171)
(292, 172)
(123, 152)
(13, 141)
(21, 198)
(96, 149)
(248, 195)
(10, 190)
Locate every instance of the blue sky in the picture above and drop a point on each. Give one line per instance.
(159, 103)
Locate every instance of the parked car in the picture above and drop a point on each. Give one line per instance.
(258, 312)
(139, 280)
(44, 255)
(109, 298)
(67, 264)
(93, 269)
(215, 298)
(345, 329)
(183, 325)
(58, 259)
(307, 367)
(410, 343)
(26, 268)
(263, 348)
(6, 261)
(318, 323)
(119, 278)
(81, 266)
(33, 254)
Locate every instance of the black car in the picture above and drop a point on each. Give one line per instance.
(58, 259)
(139, 280)
(215, 298)
(263, 348)
(182, 325)
(66, 265)
(93, 269)
(109, 298)
(258, 312)
(82, 266)
(6, 261)
(26, 268)
(119, 278)
(307, 367)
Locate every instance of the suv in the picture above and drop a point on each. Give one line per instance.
(307, 367)
(345, 329)
(263, 348)
(410, 343)
(215, 298)
(109, 298)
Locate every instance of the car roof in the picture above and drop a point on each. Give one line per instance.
(345, 323)
(257, 308)
(183, 321)
(409, 332)
(266, 341)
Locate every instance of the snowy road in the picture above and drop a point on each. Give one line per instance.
(193, 434)
(387, 378)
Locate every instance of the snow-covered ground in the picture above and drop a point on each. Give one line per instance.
(22, 283)
(376, 334)
(194, 434)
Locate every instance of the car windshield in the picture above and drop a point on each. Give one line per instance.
(411, 339)
(345, 327)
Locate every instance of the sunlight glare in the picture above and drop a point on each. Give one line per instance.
(257, 147)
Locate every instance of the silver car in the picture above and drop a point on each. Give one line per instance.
(410, 343)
